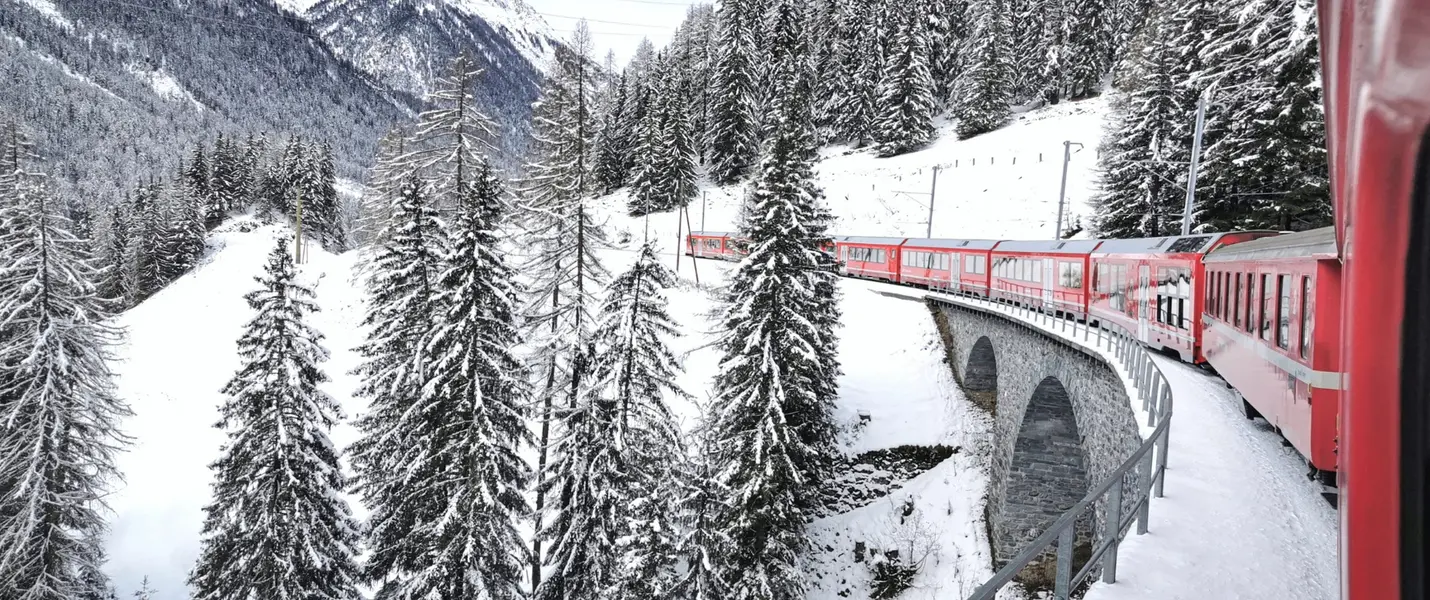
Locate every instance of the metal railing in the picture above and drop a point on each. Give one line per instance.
(1112, 343)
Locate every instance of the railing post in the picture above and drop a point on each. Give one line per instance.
(1112, 531)
(1062, 587)
(1144, 469)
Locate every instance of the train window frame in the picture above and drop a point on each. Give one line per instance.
(1308, 317)
(1249, 323)
(1267, 305)
(1283, 311)
(1236, 303)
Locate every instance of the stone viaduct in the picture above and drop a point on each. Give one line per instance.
(1062, 421)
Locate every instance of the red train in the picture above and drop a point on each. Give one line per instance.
(1243, 303)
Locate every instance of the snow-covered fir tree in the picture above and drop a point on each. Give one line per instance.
(467, 421)
(1139, 170)
(613, 139)
(982, 93)
(768, 391)
(734, 142)
(634, 441)
(402, 284)
(1265, 165)
(227, 183)
(1089, 47)
(650, 182)
(145, 592)
(94, 584)
(702, 544)
(379, 198)
(197, 180)
(59, 414)
(906, 99)
(278, 526)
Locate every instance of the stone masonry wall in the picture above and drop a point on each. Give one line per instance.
(1051, 375)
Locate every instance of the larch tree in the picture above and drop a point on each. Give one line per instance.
(565, 273)
(982, 94)
(59, 413)
(453, 135)
(278, 526)
(906, 92)
(379, 198)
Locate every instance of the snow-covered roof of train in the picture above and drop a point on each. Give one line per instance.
(1173, 244)
(1316, 242)
(880, 241)
(951, 244)
(711, 233)
(1050, 246)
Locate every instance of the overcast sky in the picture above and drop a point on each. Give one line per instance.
(616, 25)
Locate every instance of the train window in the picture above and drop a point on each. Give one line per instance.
(1250, 308)
(1283, 312)
(1070, 275)
(1267, 306)
(1236, 303)
(1308, 320)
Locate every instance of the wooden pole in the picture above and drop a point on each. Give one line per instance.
(693, 266)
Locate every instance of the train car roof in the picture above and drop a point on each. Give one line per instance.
(873, 240)
(1172, 244)
(1050, 246)
(712, 233)
(951, 244)
(1319, 243)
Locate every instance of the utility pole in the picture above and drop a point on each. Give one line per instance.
(679, 242)
(703, 195)
(933, 193)
(1196, 158)
(1063, 189)
(685, 210)
(298, 241)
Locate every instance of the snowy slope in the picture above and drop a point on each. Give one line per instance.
(1000, 185)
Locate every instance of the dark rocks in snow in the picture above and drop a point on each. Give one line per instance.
(873, 475)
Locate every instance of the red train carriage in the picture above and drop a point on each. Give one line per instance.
(1376, 65)
(1043, 273)
(1272, 331)
(870, 257)
(955, 265)
(709, 244)
(1153, 286)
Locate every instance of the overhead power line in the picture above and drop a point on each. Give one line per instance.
(604, 22)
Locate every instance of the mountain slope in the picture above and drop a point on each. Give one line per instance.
(115, 92)
(406, 44)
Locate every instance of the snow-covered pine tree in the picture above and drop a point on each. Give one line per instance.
(565, 272)
(854, 99)
(632, 440)
(227, 180)
(402, 287)
(906, 101)
(981, 96)
(1026, 34)
(57, 399)
(145, 592)
(467, 422)
(94, 584)
(1138, 166)
(278, 526)
(946, 37)
(678, 150)
(735, 138)
(184, 233)
(1048, 48)
(702, 545)
(197, 181)
(1089, 47)
(114, 285)
(148, 270)
(767, 390)
(1266, 164)
(650, 182)
(611, 141)
(322, 207)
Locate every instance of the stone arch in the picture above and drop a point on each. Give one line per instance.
(1048, 473)
(980, 379)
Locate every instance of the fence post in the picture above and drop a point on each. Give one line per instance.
(1145, 469)
(1062, 587)
(1112, 531)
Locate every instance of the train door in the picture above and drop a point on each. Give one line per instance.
(1049, 279)
(1144, 283)
(954, 260)
(843, 259)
